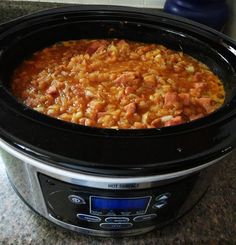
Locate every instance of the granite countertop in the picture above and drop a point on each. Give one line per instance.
(212, 221)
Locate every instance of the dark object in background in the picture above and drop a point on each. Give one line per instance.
(213, 13)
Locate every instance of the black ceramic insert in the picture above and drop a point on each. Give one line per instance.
(109, 151)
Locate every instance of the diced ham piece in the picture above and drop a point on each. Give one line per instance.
(139, 125)
(175, 121)
(122, 43)
(130, 109)
(52, 90)
(195, 117)
(101, 114)
(185, 98)
(157, 123)
(206, 103)
(200, 85)
(198, 89)
(129, 90)
(197, 77)
(95, 46)
(123, 46)
(125, 78)
(170, 99)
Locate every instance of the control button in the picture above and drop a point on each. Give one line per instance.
(160, 204)
(88, 218)
(145, 217)
(163, 196)
(117, 219)
(76, 199)
(115, 226)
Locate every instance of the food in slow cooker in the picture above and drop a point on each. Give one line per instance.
(117, 84)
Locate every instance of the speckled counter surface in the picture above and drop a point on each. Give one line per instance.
(212, 221)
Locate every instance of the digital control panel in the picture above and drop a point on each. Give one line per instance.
(113, 209)
(104, 206)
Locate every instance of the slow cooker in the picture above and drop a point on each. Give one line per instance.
(109, 182)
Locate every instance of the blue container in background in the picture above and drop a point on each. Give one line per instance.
(213, 13)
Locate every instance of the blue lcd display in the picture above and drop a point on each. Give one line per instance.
(105, 205)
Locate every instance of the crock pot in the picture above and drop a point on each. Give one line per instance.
(109, 182)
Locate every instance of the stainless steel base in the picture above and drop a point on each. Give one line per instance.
(23, 174)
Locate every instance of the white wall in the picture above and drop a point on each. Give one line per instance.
(133, 3)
